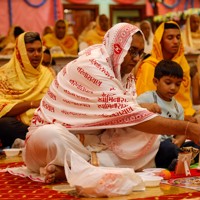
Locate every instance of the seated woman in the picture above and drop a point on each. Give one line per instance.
(82, 43)
(91, 108)
(146, 28)
(96, 35)
(23, 81)
(47, 30)
(195, 88)
(191, 34)
(60, 42)
(8, 44)
(48, 61)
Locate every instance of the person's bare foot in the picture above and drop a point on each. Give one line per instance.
(53, 173)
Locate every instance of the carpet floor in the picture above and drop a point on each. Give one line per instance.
(16, 187)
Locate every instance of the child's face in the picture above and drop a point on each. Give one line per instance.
(167, 87)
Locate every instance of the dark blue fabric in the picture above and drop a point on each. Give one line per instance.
(168, 152)
(10, 129)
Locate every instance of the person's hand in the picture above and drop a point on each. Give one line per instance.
(178, 140)
(152, 107)
(35, 104)
(193, 132)
(22, 107)
(190, 119)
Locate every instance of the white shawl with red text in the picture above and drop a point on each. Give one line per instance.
(89, 93)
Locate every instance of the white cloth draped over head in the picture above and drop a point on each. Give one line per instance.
(89, 92)
(149, 42)
(191, 40)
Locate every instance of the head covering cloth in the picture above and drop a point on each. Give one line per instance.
(146, 69)
(68, 43)
(20, 81)
(89, 93)
(149, 41)
(95, 35)
(191, 39)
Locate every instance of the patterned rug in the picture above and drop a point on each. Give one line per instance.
(16, 187)
(183, 196)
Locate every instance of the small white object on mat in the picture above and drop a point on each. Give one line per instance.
(12, 152)
(150, 179)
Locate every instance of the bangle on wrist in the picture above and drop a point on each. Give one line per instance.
(31, 104)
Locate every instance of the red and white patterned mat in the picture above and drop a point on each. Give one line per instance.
(16, 187)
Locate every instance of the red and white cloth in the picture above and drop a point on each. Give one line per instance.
(89, 92)
(90, 96)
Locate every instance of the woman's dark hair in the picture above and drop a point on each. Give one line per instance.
(168, 68)
(138, 33)
(59, 21)
(47, 51)
(17, 31)
(170, 26)
(31, 37)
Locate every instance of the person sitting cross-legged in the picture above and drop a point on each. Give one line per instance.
(168, 77)
(24, 81)
(91, 109)
(167, 45)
